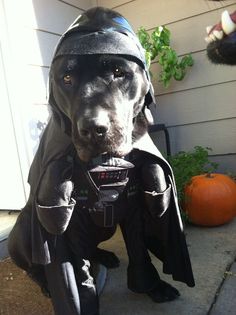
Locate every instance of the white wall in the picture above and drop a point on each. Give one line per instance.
(201, 109)
(29, 32)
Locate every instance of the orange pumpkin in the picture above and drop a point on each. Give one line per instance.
(210, 199)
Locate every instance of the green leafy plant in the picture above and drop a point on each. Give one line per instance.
(157, 47)
(185, 165)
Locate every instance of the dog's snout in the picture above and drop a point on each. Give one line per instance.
(96, 131)
(101, 130)
(93, 128)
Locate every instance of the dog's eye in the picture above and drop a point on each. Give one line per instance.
(118, 72)
(67, 79)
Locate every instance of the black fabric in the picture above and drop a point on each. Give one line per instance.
(99, 31)
(70, 283)
(164, 233)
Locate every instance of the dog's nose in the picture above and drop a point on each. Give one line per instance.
(101, 130)
(93, 129)
(96, 131)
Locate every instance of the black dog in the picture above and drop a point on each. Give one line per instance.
(96, 167)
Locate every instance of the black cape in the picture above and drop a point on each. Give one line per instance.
(165, 237)
(29, 242)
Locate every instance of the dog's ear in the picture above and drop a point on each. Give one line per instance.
(149, 100)
(148, 115)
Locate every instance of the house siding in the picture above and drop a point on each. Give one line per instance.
(52, 18)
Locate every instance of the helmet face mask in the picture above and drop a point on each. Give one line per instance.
(99, 43)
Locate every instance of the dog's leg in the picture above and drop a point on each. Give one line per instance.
(142, 275)
(70, 283)
(153, 181)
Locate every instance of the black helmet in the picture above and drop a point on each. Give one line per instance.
(103, 31)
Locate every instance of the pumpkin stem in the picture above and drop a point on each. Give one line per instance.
(209, 175)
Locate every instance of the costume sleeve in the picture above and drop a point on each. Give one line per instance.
(55, 219)
(158, 202)
(157, 190)
(54, 204)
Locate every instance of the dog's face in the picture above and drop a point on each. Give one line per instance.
(101, 95)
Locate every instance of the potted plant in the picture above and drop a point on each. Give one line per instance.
(157, 47)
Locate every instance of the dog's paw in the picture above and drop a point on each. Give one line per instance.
(106, 258)
(163, 292)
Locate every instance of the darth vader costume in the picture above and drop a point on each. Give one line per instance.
(75, 205)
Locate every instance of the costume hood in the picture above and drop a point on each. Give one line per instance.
(96, 31)
(102, 31)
